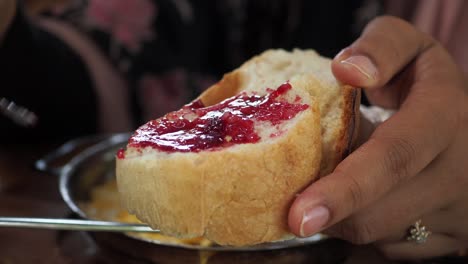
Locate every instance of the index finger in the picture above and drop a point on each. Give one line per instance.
(398, 149)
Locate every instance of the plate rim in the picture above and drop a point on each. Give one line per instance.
(66, 173)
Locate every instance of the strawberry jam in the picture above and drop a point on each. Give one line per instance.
(121, 153)
(195, 127)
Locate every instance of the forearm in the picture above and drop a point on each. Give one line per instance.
(7, 13)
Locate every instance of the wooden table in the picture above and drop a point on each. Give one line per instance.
(26, 192)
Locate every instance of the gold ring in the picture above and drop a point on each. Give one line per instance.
(418, 233)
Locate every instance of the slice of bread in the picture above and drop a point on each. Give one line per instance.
(239, 194)
(338, 103)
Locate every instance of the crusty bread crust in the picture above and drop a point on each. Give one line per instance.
(241, 195)
(350, 120)
(339, 129)
(229, 86)
(348, 130)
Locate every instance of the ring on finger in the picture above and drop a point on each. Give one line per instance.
(418, 233)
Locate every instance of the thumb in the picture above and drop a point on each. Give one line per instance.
(396, 150)
(386, 45)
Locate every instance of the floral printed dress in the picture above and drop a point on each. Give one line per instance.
(170, 50)
(167, 51)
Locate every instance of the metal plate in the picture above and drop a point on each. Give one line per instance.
(96, 164)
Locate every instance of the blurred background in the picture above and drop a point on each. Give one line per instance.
(105, 66)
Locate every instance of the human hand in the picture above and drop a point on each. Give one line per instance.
(414, 165)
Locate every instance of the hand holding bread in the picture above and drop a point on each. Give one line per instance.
(414, 165)
(179, 176)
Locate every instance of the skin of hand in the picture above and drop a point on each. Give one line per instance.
(414, 165)
(7, 13)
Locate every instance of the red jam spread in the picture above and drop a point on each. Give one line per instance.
(195, 127)
(121, 153)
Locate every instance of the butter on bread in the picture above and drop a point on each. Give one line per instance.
(240, 194)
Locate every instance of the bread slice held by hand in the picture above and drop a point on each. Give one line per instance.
(228, 166)
(338, 103)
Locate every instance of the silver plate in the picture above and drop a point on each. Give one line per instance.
(96, 164)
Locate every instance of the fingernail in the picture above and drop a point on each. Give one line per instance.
(363, 64)
(313, 220)
(344, 53)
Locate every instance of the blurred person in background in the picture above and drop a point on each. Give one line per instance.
(103, 66)
(100, 66)
(106, 66)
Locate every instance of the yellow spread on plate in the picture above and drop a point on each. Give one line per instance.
(105, 205)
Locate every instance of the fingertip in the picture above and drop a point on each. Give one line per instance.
(343, 74)
(295, 216)
(308, 215)
(355, 70)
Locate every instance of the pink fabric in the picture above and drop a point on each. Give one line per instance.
(162, 93)
(129, 21)
(445, 20)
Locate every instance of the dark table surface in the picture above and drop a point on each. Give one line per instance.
(29, 193)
